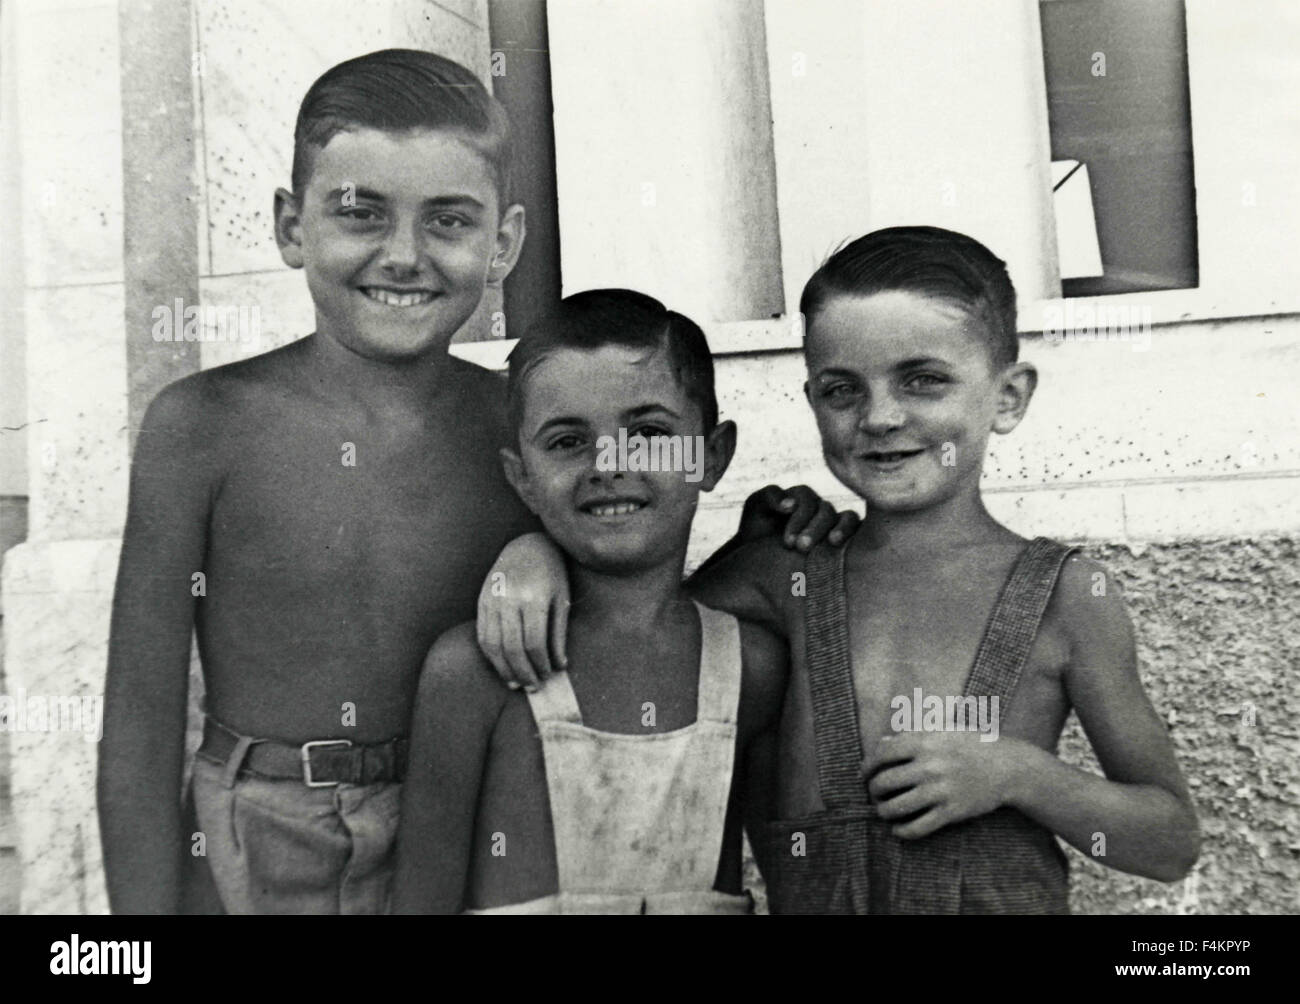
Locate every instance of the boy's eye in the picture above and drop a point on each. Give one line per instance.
(926, 381)
(449, 221)
(838, 392)
(564, 441)
(360, 217)
(649, 431)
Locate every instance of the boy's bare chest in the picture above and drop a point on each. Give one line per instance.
(321, 501)
(635, 688)
(919, 630)
(900, 642)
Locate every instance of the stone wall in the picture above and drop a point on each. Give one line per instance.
(1217, 642)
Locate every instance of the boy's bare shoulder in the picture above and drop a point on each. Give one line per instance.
(1087, 605)
(183, 404)
(223, 391)
(456, 665)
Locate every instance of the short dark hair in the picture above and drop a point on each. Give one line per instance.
(397, 90)
(929, 260)
(600, 317)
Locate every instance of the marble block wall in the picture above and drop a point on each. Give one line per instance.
(65, 145)
(254, 62)
(58, 594)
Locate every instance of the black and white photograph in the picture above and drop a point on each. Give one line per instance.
(552, 457)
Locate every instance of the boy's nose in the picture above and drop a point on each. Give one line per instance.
(880, 414)
(402, 249)
(598, 476)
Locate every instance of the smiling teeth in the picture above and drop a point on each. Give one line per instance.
(616, 509)
(891, 457)
(397, 299)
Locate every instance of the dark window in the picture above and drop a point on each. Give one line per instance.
(1118, 109)
(522, 83)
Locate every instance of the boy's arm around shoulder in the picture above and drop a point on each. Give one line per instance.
(457, 706)
(174, 475)
(765, 664)
(753, 582)
(765, 661)
(1142, 807)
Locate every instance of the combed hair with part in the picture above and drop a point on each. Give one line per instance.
(929, 261)
(397, 90)
(600, 317)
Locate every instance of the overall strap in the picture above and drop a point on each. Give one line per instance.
(1013, 626)
(830, 678)
(555, 701)
(719, 686)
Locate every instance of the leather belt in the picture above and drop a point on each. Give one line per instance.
(321, 763)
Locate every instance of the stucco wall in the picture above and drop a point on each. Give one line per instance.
(1217, 637)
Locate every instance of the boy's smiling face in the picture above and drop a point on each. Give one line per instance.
(615, 521)
(399, 233)
(906, 393)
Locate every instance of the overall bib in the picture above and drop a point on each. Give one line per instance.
(1002, 862)
(639, 819)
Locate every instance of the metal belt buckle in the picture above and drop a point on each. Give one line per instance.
(306, 761)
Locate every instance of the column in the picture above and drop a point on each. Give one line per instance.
(664, 154)
(925, 112)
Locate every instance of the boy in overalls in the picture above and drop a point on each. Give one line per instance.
(618, 786)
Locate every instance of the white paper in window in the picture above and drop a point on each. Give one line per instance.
(1077, 249)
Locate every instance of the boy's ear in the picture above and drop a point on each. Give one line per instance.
(288, 227)
(719, 448)
(1018, 383)
(510, 241)
(513, 466)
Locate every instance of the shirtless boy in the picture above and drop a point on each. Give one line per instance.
(340, 498)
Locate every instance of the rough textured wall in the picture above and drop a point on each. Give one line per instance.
(1217, 635)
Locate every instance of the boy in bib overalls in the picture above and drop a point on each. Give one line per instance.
(621, 785)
